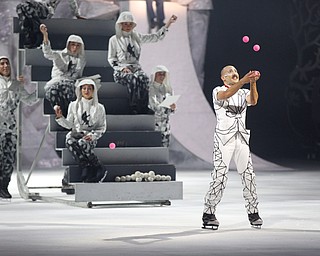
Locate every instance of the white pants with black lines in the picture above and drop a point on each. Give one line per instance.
(239, 150)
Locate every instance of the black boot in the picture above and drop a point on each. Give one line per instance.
(143, 107)
(133, 110)
(4, 193)
(210, 221)
(99, 173)
(255, 220)
(85, 171)
(66, 187)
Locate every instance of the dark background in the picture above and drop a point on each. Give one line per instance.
(274, 136)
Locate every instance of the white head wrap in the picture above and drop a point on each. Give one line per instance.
(166, 81)
(7, 58)
(124, 17)
(95, 81)
(76, 39)
(4, 57)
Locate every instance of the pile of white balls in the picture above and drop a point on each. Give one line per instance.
(139, 176)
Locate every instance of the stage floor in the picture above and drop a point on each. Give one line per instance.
(289, 206)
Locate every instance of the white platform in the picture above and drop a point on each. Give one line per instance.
(128, 191)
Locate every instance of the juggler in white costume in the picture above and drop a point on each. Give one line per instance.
(231, 140)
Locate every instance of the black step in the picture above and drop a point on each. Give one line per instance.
(94, 58)
(74, 172)
(58, 42)
(118, 106)
(89, 27)
(118, 123)
(137, 155)
(121, 139)
(94, 33)
(39, 73)
(107, 90)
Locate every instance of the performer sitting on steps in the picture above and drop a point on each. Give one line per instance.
(68, 66)
(87, 121)
(123, 55)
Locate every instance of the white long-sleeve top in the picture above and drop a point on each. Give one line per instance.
(157, 94)
(11, 92)
(231, 115)
(118, 55)
(84, 116)
(65, 66)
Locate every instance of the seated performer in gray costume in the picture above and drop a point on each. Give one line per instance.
(87, 121)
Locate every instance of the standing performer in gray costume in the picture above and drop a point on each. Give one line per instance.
(11, 93)
(68, 66)
(159, 89)
(87, 121)
(123, 55)
(30, 14)
(231, 140)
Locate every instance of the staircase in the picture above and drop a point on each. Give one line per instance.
(138, 145)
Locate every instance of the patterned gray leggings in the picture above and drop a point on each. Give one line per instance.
(137, 85)
(82, 150)
(8, 154)
(61, 94)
